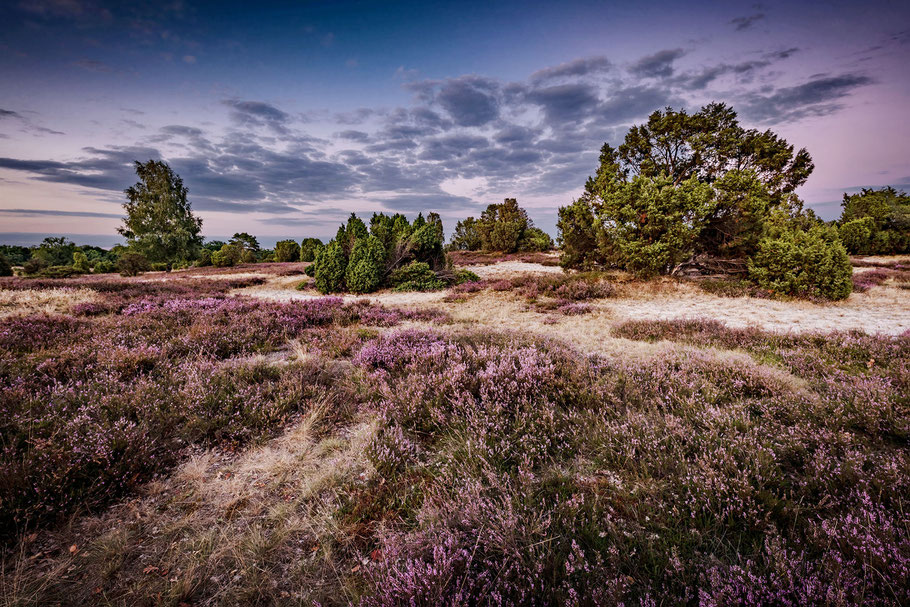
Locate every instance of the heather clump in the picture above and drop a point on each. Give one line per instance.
(539, 476)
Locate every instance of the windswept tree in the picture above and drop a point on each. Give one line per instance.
(700, 175)
(159, 222)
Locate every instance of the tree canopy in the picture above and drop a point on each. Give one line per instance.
(159, 222)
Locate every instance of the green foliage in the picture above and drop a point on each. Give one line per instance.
(132, 264)
(55, 251)
(348, 234)
(287, 250)
(416, 276)
(364, 272)
(227, 256)
(309, 248)
(310, 270)
(535, 239)
(742, 175)
(35, 265)
(248, 256)
(466, 237)
(104, 267)
(803, 263)
(247, 241)
(329, 268)
(205, 258)
(6, 269)
(652, 224)
(213, 245)
(462, 276)
(160, 266)
(856, 235)
(159, 222)
(80, 263)
(876, 222)
(15, 254)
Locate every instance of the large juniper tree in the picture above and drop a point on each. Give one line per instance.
(159, 222)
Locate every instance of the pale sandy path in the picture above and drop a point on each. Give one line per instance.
(883, 309)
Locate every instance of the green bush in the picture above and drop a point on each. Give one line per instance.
(466, 237)
(310, 270)
(308, 249)
(364, 272)
(227, 256)
(6, 269)
(416, 276)
(535, 239)
(132, 264)
(35, 265)
(802, 263)
(205, 258)
(160, 266)
(287, 250)
(856, 235)
(462, 276)
(248, 256)
(104, 267)
(329, 268)
(80, 262)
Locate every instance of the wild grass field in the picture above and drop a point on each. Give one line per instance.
(230, 436)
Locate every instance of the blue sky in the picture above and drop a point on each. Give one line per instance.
(282, 118)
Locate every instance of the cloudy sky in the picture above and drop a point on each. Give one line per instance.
(283, 117)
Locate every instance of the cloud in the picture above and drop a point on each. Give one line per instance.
(658, 65)
(817, 97)
(58, 213)
(9, 114)
(352, 135)
(744, 23)
(469, 100)
(565, 102)
(437, 201)
(258, 114)
(572, 69)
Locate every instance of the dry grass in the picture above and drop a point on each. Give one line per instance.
(46, 301)
(232, 529)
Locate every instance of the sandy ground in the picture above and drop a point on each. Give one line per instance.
(882, 309)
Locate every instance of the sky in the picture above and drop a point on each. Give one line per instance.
(282, 118)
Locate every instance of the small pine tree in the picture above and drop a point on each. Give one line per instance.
(329, 268)
(365, 269)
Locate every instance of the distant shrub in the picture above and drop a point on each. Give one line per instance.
(248, 256)
(205, 258)
(876, 222)
(308, 249)
(416, 276)
(535, 239)
(5, 268)
(227, 256)
(35, 265)
(812, 263)
(132, 264)
(160, 266)
(329, 268)
(857, 234)
(287, 250)
(104, 267)
(365, 267)
(80, 263)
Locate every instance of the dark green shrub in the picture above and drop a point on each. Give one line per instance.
(466, 237)
(876, 222)
(462, 276)
(35, 265)
(310, 270)
(6, 269)
(227, 256)
(160, 266)
(416, 276)
(248, 256)
(812, 263)
(104, 267)
(287, 250)
(132, 264)
(581, 236)
(535, 239)
(308, 249)
(364, 272)
(205, 258)
(329, 268)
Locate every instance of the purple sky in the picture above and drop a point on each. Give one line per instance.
(282, 118)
